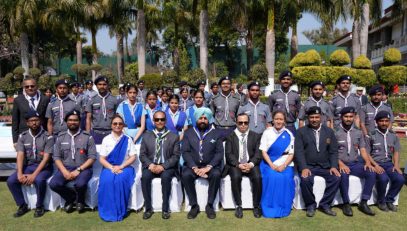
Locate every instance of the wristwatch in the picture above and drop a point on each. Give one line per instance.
(79, 169)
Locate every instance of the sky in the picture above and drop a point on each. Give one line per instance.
(308, 22)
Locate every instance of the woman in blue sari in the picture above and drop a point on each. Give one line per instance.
(133, 114)
(117, 153)
(199, 99)
(151, 107)
(176, 119)
(277, 169)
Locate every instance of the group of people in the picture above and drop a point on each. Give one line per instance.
(188, 137)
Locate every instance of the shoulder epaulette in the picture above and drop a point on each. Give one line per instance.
(61, 133)
(86, 133)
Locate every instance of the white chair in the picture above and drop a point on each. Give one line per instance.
(175, 197)
(136, 200)
(226, 196)
(51, 201)
(201, 187)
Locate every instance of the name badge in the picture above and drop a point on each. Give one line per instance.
(341, 141)
(279, 100)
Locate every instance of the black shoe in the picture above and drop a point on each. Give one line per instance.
(310, 212)
(39, 212)
(239, 212)
(23, 209)
(364, 208)
(80, 208)
(347, 210)
(165, 215)
(383, 207)
(210, 213)
(68, 207)
(391, 207)
(328, 211)
(257, 212)
(193, 212)
(147, 214)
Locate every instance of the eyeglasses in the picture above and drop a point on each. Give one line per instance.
(117, 124)
(29, 86)
(33, 120)
(159, 119)
(243, 123)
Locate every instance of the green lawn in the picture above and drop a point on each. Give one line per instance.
(225, 219)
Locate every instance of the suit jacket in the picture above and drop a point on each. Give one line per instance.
(212, 148)
(20, 109)
(171, 147)
(306, 154)
(232, 150)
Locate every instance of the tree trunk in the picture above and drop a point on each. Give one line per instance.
(141, 43)
(78, 47)
(355, 39)
(94, 51)
(35, 51)
(364, 28)
(203, 42)
(294, 40)
(126, 46)
(24, 52)
(120, 56)
(270, 48)
(249, 49)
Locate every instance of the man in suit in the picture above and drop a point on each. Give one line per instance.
(243, 157)
(202, 151)
(30, 100)
(159, 155)
(316, 154)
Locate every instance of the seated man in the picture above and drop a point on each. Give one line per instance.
(384, 149)
(34, 148)
(352, 145)
(316, 154)
(159, 155)
(202, 150)
(243, 157)
(74, 154)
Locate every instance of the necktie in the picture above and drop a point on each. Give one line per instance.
(185, 105)
(73, 147)
(244, 151)
(32, 103)
(316, 132)
(158, 144)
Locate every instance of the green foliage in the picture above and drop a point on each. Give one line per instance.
(130, 73)
(364, 77)
(95, 67)
(399, 104)
(393, 75)
(259, 73)
(34, 72)
(305, 75)
(392, 56)
(217, 71)
(152, 80)
(184, 61)
(334, 72)
(362, 62)
(18, 73)
(297, 60)
(242, 79)
(81, 70)
(8, 84)
(45, 81)
(113, 82)
(194, 76)
(170, 78)
(339, 58)
(312, 58)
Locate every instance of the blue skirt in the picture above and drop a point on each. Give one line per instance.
(114, 193)
(278, 191)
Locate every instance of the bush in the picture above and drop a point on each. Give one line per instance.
(130, 73)
(194, 76)
(399, 104)
(259, 73)
(152, 80)
(170, 78)
(364, 77)
(305, 75)
(8, 84)
(333, 73)
(393, 75)
(297, 60)
(339, 58)
(18, 73)
(113, 82)
(311, 58)
(44, 82)
(241, 79)
(391, 57)
(362, 62)
(218, 70)
(81, 70)
(95, 67)
(34, 72)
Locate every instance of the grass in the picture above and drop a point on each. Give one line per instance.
(225, 219)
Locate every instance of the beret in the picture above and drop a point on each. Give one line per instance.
(342, 78)
(375, 89)
(254, 83)
(285, 74)
(222, 79)
(80, 85)
(314, 110)
(61, 81)
(381, 115)
(30, 114)
(74, 112)
(74, 84)
(346, 110)
(213, 84)
(140, 81)
(88, 82)
(203, 82)
(101, 78)
(182, 83)
(314, 83)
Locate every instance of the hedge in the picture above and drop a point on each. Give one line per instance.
(393, 75)
(339, 58)
(305, 75)
(334, 72)
(34, 72)
(362, 62)
(364, 77)
(153, 80)
(391, 57)
(311, 58)
(258, 73)
(297, 60)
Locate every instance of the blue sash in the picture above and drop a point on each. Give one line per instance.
(191, 115)
(116, 156)
(277, 149)
(128, 118)
(149, 123)
(180, 123)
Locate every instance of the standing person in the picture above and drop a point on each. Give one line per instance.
(242, 159)
(89, 92)
(75, 96)
(199, 99)
(122, 94)
(201, 86)
(30, 100)
(48, 92)
(370, 110)
(202, 150)
(316, 154)
(80, 89)
(384, 149)
(117, 153)
(59, 108)
(317, 99)
(242, 96)
(213, 93)
(100, 110)
(224, 107)
(259, 113)
(185, 102)
(159, 156)
(352, 145)
(151, 107)
(133, 114)
(141, 93)
(34, 148)
(164, 101)
(277, 168)
(170, 91)
(176, 121)
(344, 98)
(385, 98)
(74, 154)
(362, 98)
(286, 100)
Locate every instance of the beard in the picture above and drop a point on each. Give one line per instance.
(203, 126)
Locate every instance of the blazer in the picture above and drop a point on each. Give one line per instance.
(232, 150)
(20, 109)
(306, 154)
(171, 147)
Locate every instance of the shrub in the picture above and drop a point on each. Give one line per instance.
(113, 81)
(339, 58)
(34, 72)
(8, 84)
(297, 60)
(170, 78)
(311, 58)
(45, 81)
(391, 57)
(393, 75)
(95, 67)
(81, 70)
(193, 76)
(18, 73)
(259, 73)
(362, 62)
(364, 77)
(152, 80)
(305, 75)
(218, 70)
(130, 72)
(333, 73)
(241, 79)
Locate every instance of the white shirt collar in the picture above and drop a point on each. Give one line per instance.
(278, 131)
(239, 134)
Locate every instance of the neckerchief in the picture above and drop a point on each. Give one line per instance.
(226, 104)
(73, 148)
(255, 111)
(34, 143)
(287, 106)
(201, 139)
(160, 137)
(104, 109)
(61, 109)
(385, 139)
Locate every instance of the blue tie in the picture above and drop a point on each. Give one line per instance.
(32, 103)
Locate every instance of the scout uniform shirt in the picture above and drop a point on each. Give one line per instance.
(383, 145)
(34, 147)
(326, 110)
(224, 109)
(102, 110)
(79, 100)
(74, 149)
(349, 143)
(259, 114)
(369, 111)
(289, 102)
(57, 111)
(339, 101)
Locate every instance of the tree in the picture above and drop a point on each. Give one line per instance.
(324, 35)
(203, 34)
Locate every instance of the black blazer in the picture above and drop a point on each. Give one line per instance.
(232, 150)
(171, 148)
(20, 108)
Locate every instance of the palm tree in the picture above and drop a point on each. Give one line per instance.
(203, 33)
(141, 38)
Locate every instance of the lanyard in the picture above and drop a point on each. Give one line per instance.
(287, 106)
(201, 139)
(376, 109)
